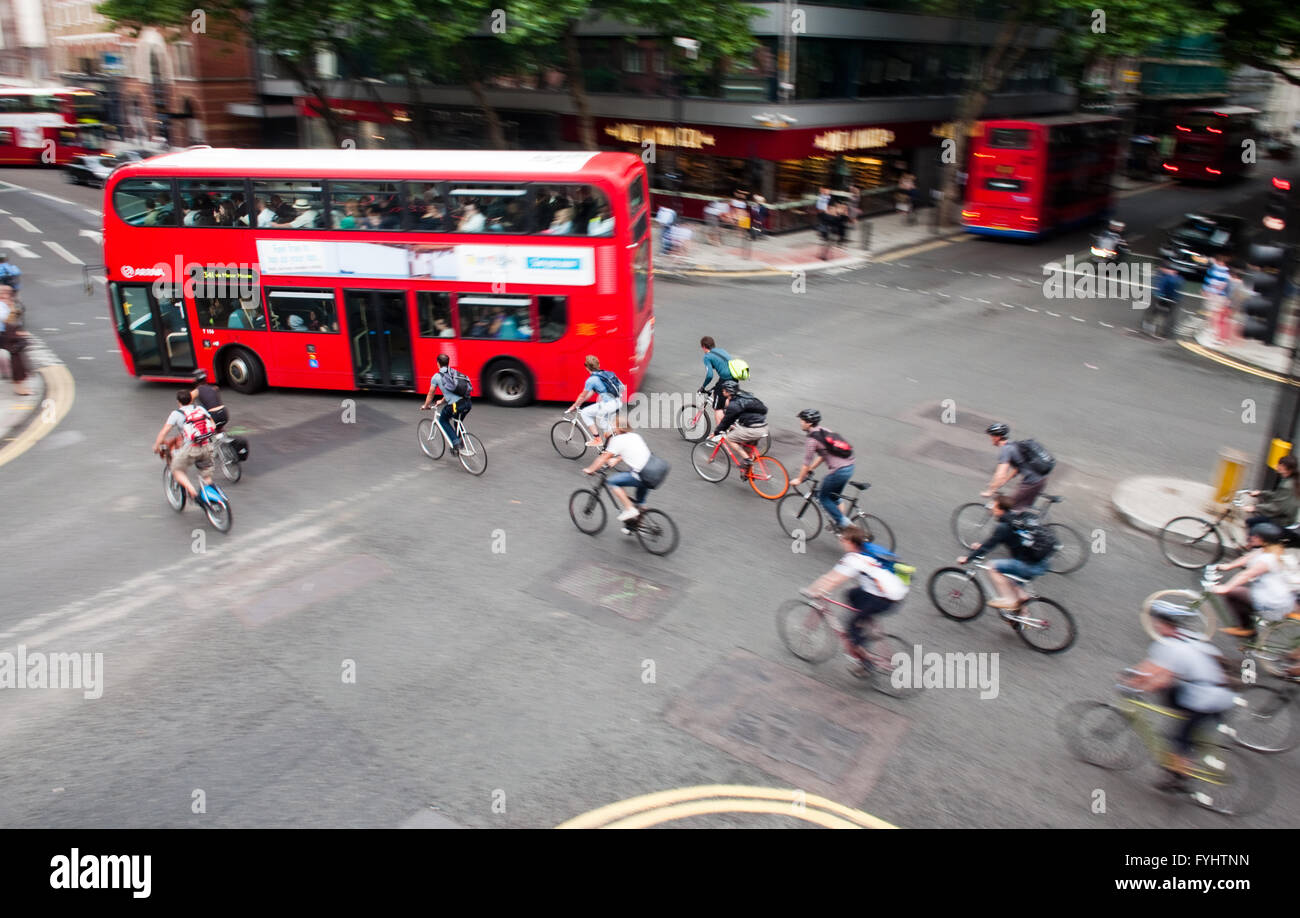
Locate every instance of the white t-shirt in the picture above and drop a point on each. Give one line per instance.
(472, 223)
(871, 576)
(1270, 593)
(631, 448)
(1192, 661)
(265, 217)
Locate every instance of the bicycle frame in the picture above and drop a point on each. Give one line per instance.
(750, 450)
(459, 427)
(1131, 708)
(1024, 585)
(838, 625)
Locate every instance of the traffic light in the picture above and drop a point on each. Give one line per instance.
(1278, 204)
(1264, 308)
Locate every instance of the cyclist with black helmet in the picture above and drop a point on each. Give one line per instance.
(209, 396)
(744, 418)
(1012, 461)
(1261, 589)
(1187, 668)
(839, 469)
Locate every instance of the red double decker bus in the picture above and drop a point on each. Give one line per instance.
(354, 269)
(1210, 144)
(67, 122)
(1034, 176)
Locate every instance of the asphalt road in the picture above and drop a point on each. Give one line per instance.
(384, 640)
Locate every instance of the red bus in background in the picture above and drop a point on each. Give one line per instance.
(354, 269)
(31, 118)
(1034, 176)
(1209, 144)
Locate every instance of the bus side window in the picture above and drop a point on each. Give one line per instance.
(553, 316)
(435, 314)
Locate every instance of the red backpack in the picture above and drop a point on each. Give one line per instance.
(833, 442)
(198, 424)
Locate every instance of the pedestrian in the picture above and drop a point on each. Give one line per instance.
(907, 196)
(757, 216)
(1168, 291)
(665, 217)
(1237, 293)
(1215, 291)
(714, 214)
(13, 339)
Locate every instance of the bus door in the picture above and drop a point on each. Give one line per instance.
(379, 335)
(154, 330)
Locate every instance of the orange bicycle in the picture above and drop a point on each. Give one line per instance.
(713, 458)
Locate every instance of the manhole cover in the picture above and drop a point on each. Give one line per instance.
(952, 454)
(629, 595)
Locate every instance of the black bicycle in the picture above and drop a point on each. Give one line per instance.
(654, 529)
(798, 513)
(973, 524)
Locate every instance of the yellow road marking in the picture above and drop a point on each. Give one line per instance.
(61, 390)
(923, 247)
(682, 802)
(1235, 364)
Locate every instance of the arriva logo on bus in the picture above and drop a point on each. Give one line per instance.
(236, 280)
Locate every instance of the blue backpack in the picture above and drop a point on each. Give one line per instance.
(611, 382)
(889, 561)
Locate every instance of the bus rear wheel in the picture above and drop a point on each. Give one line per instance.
(508, 383)
(242, 371)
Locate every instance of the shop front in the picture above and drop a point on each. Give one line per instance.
(691, 165)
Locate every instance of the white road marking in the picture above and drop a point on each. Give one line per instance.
(1031, 309)
(100, 278)
(4, 212)
(19, 248)
(95, 235)
(945, 295)
(1104, 324)
(998, 276)
(26, 224)
(42, 194)
(63, 253)
(49, 329)
(1076, 318)
(985, 302)
(1054, 315)
(85, 358)
(904, 289)
(1009, 305)
(76, 323)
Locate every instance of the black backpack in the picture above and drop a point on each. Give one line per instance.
(1034, 457)
(835, 444)
(462, 385)
(749, 403)
(1033, 541)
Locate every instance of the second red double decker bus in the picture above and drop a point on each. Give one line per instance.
(1213, 144)
(49, 126)
(354, 269)
(1034, 176)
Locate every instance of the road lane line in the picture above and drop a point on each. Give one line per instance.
(1054, 315)
(1031, 309)
(26, 224)
(63, 253)
(1104, 324)
(1076, 318)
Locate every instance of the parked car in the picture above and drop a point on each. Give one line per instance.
(1191, 244)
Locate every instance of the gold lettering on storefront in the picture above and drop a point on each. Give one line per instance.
(860, 139)
(688, 138)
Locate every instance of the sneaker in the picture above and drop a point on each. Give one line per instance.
(1238, 632)
(628, 515)
(627, 532)
(1007, 604)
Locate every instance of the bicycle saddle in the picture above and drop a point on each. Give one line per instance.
(1053, 498)
(861, 485)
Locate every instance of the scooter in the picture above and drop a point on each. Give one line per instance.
(1108, 247)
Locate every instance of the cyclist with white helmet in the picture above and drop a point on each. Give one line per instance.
(1261, 589)
(1187, 668)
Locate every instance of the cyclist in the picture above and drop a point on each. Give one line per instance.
(1169, 289)
(10, 274)
(1188, 668)
(630, 447)
(1280, 504)
(839, 469)
(877, 590)
(597, 416)
(715, 361)
(1261, 588)
(1012, 461)
(196, 427)
(449, 404)
(1020, 564)
(209, 396)
(744, 418)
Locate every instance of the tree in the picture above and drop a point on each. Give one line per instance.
(1264, 34)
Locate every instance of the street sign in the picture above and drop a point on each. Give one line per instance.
(113, 64)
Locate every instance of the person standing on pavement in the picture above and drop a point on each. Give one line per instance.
(1016, 459)
(665, 217)
(822, 445)
(1215, 291)
(13, 339)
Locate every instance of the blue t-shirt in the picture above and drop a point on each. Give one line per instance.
(595, 384)
(1170, 286)
(716, 361)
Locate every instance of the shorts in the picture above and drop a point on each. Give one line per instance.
(739, 434)
(189, 454)
(716, 392)
(1014, 567)
(601, 414)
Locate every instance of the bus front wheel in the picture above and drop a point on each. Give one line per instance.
(508, 383)
(242, 371)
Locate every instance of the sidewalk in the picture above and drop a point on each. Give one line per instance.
(797, 251)
(1148, 502)
(1274, 359)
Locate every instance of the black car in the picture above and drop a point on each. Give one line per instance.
(1192, 243)
(93, 170)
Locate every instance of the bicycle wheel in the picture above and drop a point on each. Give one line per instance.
(1265, 719)
(1051, 629)
(587, 510)
(1191, 542)
(972, 523)
(694, 422)
(431, 442)
(471, 454)
(1100, 734)
(768, 478)
(1227, 781)
(172, 489)
(898, 680)
(797, 515)
(877, 530)
(231, 469)
(569, 439)
(1071, 551)
(1204, 625)
(708, 466)
(219, 514)
(1278, 641)
(656, 532)
(956, 593)
(805, 630)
